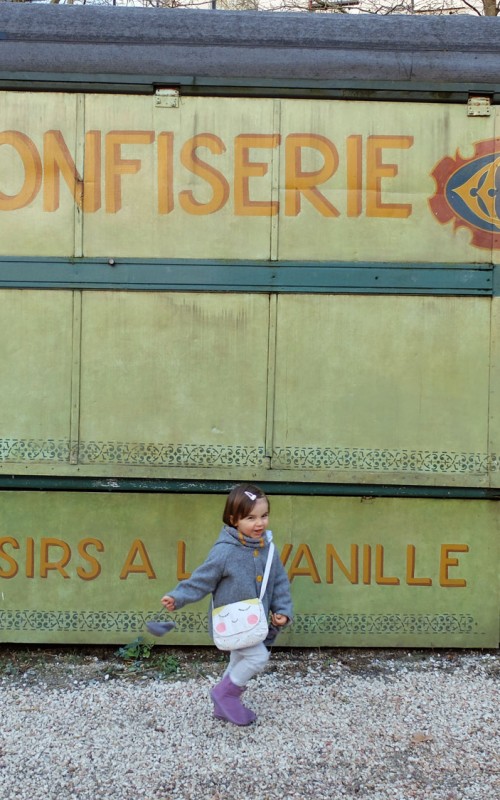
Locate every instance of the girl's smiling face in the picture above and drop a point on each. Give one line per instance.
(255, 524)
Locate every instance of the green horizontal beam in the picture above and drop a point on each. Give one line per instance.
(179, 486)
(250, 276)
(263, 87)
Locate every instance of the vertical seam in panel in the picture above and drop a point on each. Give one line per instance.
(275, 180)
(271, 376)
(492, 351)
(76, 346)
(491, 388)
(79, 164)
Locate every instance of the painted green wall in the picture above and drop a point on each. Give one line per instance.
(91, 568)
(286, 378)
(117, 176)
(329, 388)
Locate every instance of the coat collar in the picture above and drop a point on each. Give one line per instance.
(247, 541)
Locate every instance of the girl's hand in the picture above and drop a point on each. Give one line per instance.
(279, 620)
(168, 602)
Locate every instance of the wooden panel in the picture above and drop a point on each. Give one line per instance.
(370, 387)
(174, 379)
(37, 208)
(199, 219)
(117, 176)
(35, 376)
(370, 197)
(91, 568)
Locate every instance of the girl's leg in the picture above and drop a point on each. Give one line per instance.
(243, 665)
(234, 659)
(247, 662)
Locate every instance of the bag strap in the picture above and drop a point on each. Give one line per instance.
(267, 571)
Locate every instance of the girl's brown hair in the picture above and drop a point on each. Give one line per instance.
(240, 502)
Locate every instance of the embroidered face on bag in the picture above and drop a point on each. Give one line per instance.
(229, 623)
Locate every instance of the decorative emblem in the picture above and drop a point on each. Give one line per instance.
(468, 191)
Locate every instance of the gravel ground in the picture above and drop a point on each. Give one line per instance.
(375, 724)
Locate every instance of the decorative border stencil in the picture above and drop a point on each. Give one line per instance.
(384, 623)
(340, 624)
(170, 455)
(85, 621)
(15, 451)
(384, 460)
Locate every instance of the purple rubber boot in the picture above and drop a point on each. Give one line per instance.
(227, 703)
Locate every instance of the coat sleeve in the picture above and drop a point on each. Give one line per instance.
(281, 598)
(203, 580)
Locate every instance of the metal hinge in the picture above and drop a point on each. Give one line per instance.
(478, 106)
(166, 98)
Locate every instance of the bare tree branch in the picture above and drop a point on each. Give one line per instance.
(488, 8)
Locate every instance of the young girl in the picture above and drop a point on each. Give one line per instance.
(232, 571)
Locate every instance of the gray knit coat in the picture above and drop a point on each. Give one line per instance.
(233, 571)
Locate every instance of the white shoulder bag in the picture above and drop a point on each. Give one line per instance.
(242, 624)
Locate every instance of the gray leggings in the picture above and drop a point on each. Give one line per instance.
(247, 662)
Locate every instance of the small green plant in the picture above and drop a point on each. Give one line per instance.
(168, 666)
(137, 650)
